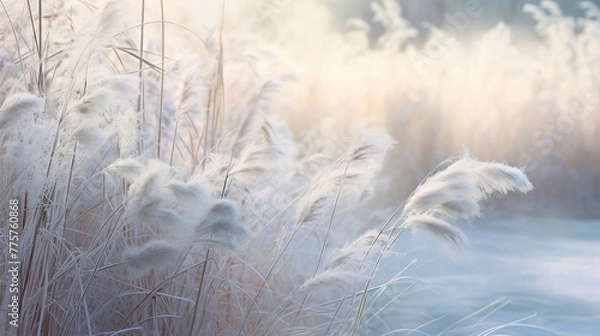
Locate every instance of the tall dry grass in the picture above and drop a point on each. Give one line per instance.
(168, 196)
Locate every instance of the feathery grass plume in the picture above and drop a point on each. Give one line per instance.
(196, 192)
(278, 135)
(255, 159)
(89, 135)
(149, 199)
(221, 228)
(191, 94)
(493, 176)
(363, 162)
(125, 126)
(189, 105)
(153, 254)
(129, 168)
(112, 20)
(347, 266)
(31, 170)
(452, 193)
(160, 197)
(258, 106)
(313, 206)
(370, 144)
(439, 227)
(104, 113)
(455, 192)
(359, 164)
(17, 107)
(107, 92)
(125, 86)
(190, 199)
(96, 101)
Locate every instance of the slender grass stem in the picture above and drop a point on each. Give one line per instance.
(162, 79)
(141, 94)
(40, 50)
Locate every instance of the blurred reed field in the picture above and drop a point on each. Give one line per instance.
(248, 167)
(532, 103)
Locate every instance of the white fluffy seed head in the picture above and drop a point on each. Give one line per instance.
(96, 101)
(221, 228)
(371, 143)
(17, 107)
(493, 176)
(189, 191)
(438, 227)
(126, 127)
(129, 168)
(153, 254)
(89, 135)
(149, 199)
(113, 20)
(455, 192)
(350, 264)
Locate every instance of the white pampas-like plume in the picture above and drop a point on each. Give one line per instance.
(347, 264)
(113, 20)
(17, 107)
(158, 196)
(370, 143)
(109, 93)
(129, 168)
(89, 135)
(193, 191)
(149, 199)
(359, 163)
(99, 99)
(455, 192)
(126, 126)
(155, 253)
(439, 227)
(221, 228)
(493, 176)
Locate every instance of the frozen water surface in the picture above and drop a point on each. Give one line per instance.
(547, 269)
